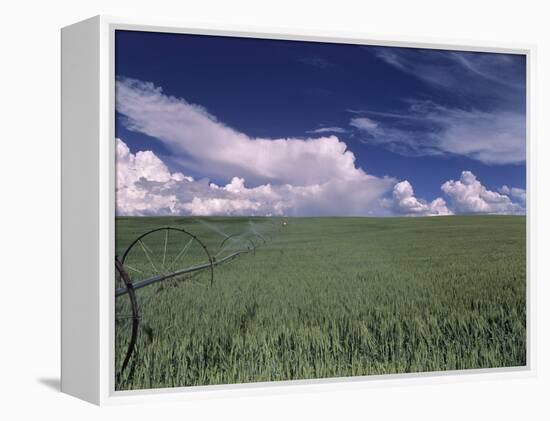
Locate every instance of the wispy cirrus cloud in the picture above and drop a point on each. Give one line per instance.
(428, 128)
(332, 129)
(499, 68)
(364, 123)
(492, 131)
(460, 71)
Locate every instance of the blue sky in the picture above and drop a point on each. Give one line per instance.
(424, 117)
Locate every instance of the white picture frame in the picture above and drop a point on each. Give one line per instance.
(88, 180)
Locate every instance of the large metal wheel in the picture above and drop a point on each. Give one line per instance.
(126, 321)
(162, 252)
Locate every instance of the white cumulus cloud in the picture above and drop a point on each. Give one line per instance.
(515, 193)
(468, 195)
(145, 186)
(132, 171)
(404, 202)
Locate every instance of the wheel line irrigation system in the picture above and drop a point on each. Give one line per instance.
(243, 241)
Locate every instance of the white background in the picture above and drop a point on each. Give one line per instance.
(29, 234)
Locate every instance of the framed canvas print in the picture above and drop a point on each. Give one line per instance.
(290, 210)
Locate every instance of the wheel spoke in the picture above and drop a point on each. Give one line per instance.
(148, 257)
(165, 245)
(147, 247)
(133, 268)
(181, 253)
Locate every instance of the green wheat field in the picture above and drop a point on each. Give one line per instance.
(323, 297)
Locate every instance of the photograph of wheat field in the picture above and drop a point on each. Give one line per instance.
(290, 210)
